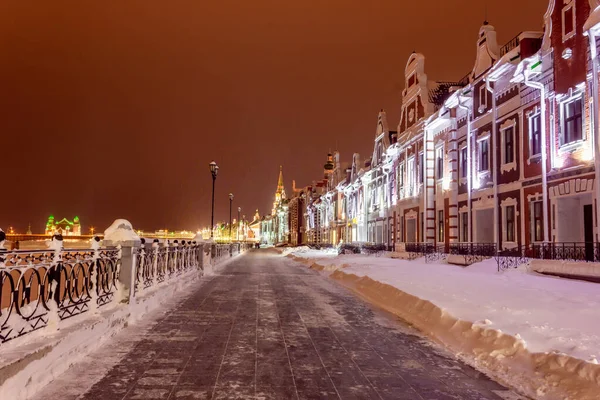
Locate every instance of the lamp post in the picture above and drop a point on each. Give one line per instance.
(230, 205)
(214, 169)
(238, 227)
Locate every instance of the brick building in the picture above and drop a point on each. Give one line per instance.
(505, 157)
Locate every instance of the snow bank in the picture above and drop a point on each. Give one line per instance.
(581, 269)
(120, 231)
(538, 334)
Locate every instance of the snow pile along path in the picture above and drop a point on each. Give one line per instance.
(538, 334)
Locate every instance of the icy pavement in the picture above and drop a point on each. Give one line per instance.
(263, 328)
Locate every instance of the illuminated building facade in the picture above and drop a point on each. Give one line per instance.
(275, 227)
(63, 227)
(508, 155)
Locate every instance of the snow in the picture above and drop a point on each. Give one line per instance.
(593, 21)
(549, 325)
(120, 231)
(77, 338)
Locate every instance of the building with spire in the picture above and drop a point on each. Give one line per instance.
(275, 227)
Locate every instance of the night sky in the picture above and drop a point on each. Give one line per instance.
(113, 109)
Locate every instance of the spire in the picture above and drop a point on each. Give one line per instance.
(280, 181)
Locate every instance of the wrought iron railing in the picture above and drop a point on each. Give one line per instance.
(512, 258)
(157, 262)
(436, 253)
(473, 252)
(568, 251)
(418, 249)
(39, 287)
(513, 43)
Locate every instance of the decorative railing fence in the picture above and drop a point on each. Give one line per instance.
(512, 258)
(157, 262)
(41, 288)
(38, 288)
(418, 249)
(567, 251)
(473, 252)
(556, 251)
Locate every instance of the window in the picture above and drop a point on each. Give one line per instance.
(465, 226)
(538, 221)
(421, 168)
(440, 225)
(572, 126)
(401, 229)
(463, 162)
(509, 147)
(535, 134)
(422, 233)
(568, 21)
(510, 223)
(484, 155)
(401, 175)
(482, 98)
(410, 172)
(439, 160)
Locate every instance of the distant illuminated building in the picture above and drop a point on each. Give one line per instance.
(63, 227)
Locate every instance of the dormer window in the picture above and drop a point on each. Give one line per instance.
(568, 20)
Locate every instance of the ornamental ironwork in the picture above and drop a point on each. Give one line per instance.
(156, 262)
(567, 251)
(38, 287)
(473, 252)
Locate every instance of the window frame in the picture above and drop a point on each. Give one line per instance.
(464, 162)
(509, 140)
(531, 118)
(577, 98)
(535, 219)
(483, 103)
(421, 171)
(480, 168)
(410, 174)
(441, 226)
(511, 236)
(464, 227)
(439, 162)
(566, 8)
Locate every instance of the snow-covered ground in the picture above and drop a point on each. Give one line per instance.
(540, 334)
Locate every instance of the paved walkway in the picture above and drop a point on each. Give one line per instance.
(267, 328)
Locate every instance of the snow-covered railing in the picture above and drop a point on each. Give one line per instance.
(158, 262)
(512, 258)
(41, 288)
(473, 252)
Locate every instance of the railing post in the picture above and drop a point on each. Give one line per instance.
(121, 233)
(128, 274)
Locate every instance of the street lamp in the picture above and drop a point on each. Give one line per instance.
(238, 227)
(214, 169)
(230, 205)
